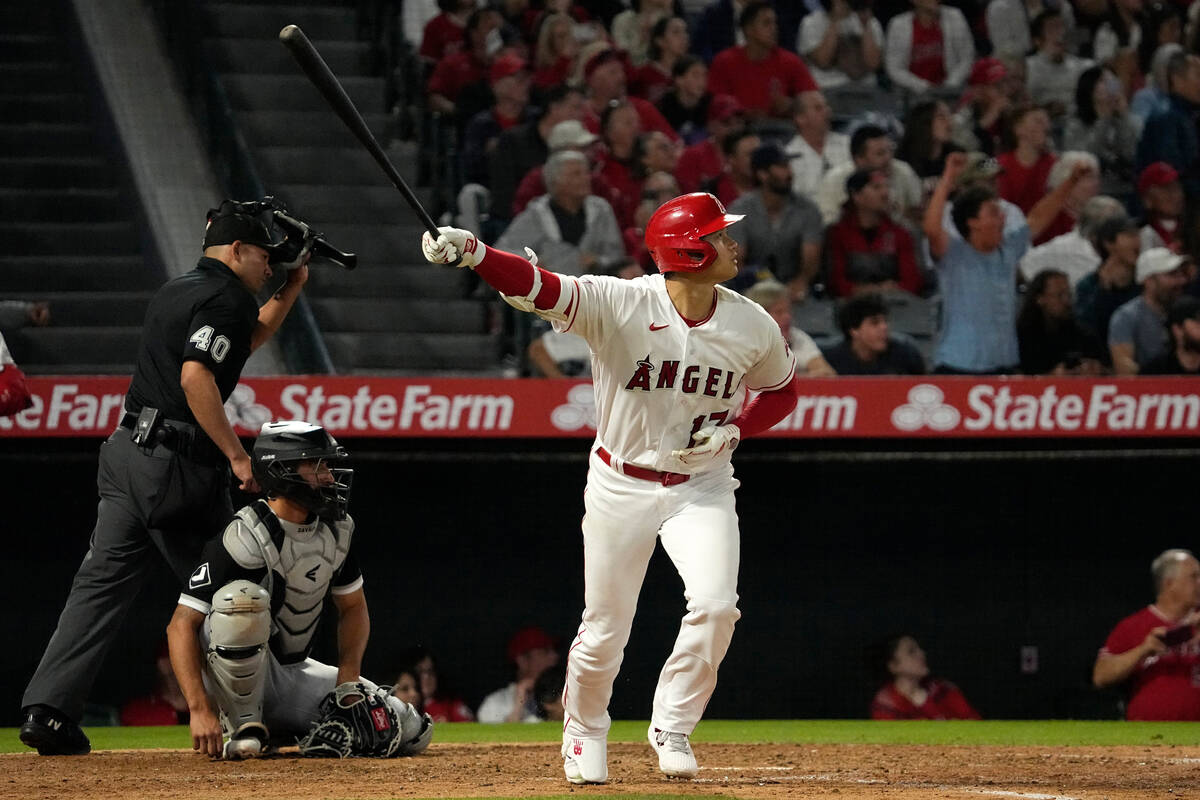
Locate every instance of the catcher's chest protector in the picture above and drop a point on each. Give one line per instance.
(301, 560)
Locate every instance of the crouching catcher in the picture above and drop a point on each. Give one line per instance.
(242, 631)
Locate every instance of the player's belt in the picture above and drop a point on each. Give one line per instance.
(634, 471)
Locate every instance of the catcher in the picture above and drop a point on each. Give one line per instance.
(245, 621)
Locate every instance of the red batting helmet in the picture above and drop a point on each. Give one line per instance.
(673, 233)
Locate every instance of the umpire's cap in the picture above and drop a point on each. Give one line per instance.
(230, 228)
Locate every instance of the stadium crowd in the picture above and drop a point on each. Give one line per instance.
(1058, 242)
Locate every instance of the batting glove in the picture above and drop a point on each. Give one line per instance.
(711, 443)
(450, 244)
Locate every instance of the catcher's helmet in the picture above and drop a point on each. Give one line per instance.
(673, 233)
(278, 452)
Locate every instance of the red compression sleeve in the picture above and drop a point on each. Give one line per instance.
(512, 275)
(768, 408)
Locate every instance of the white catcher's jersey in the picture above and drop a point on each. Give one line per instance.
(659, 380)
(298, 563)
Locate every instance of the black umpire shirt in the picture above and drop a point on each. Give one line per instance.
(207, 315)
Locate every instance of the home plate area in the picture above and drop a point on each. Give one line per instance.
(534, 770)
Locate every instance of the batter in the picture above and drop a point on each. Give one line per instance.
(673, 358)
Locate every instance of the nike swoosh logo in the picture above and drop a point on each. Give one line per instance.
(654, 327)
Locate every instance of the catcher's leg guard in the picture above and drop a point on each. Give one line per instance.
(239, 628)
(416, 729)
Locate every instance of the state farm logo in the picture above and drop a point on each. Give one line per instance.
(926, 407)
(241, 409)
(579, 410)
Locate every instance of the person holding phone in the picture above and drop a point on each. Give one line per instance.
(1156, 651)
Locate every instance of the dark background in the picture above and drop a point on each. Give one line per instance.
(977, 553)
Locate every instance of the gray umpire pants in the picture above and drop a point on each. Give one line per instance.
(151, 498)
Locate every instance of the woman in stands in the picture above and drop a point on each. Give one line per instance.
(910, 693)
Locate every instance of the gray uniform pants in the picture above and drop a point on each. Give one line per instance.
(150, 499)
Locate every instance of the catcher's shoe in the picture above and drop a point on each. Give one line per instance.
(675, 757)
(585, 760)
(53, 733)
(250, 741)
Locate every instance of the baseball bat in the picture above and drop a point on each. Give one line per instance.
(327, 84)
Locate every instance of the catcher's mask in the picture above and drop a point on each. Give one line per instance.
(281, 450)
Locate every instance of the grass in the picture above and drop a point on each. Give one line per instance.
(1047, 733)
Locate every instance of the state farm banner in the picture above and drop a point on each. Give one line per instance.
(951, 407)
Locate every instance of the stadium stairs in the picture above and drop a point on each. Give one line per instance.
(68, 231)
(394, 314)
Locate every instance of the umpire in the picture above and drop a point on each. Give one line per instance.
(164, 472)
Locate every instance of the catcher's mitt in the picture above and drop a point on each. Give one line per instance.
(355, 721)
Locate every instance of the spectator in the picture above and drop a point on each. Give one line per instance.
(928, 47)
(407, 687)
(1085, 190)
(706, 160)
(458, 85)
(1052, 73)
(668, 44)
(737, 179)
(1051, 340)
(566, 135)
(1103, 126)
(531, 651)
(867, 250)
(559, 355)
(1026, 158)
(604, 77)
(867, 346)
(686, 104)
(1161, 194)
(815, 149)
(1159, 677)
(548, 695)
(16, 314)
(1170, 135)
(910, 693)
(776, 299)
(1074, 252)
(555, 53)
(631, 28)
(508, 75)
(1117, 39)
(717, 28)
(1098, 294)
(1161, 24)
(1137, 333)
(871, 149)
(842, 43)
(977, 270)
(166, 705)
(926, 141)
(1011, 32)
(415, 15)
(991, 91)
(760, 74)
(1183, 352)
(568, 226)
(781, 232)
(444, 33)
(440, 704)
(1153, 97)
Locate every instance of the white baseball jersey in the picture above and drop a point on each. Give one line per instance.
(658, 379)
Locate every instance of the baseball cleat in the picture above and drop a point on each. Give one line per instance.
(675, 757)
(585, 760)
(53, 733)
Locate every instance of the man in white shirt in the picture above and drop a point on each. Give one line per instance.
(843, 46)
(532, 652)
(815, 149)
(871, 149)
(1073, 252)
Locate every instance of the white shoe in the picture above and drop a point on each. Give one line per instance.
(585, 760)
(675, 756)
(247, 742)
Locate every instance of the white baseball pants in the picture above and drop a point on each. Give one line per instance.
(698, 526)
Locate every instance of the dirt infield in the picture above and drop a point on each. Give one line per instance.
(523, 770)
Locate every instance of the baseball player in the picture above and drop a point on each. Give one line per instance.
(245, 621)
(673, 358)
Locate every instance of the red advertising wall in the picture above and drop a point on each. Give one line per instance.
(495, 408)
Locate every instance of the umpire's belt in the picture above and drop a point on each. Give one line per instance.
(181, 437)
(634, 471)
